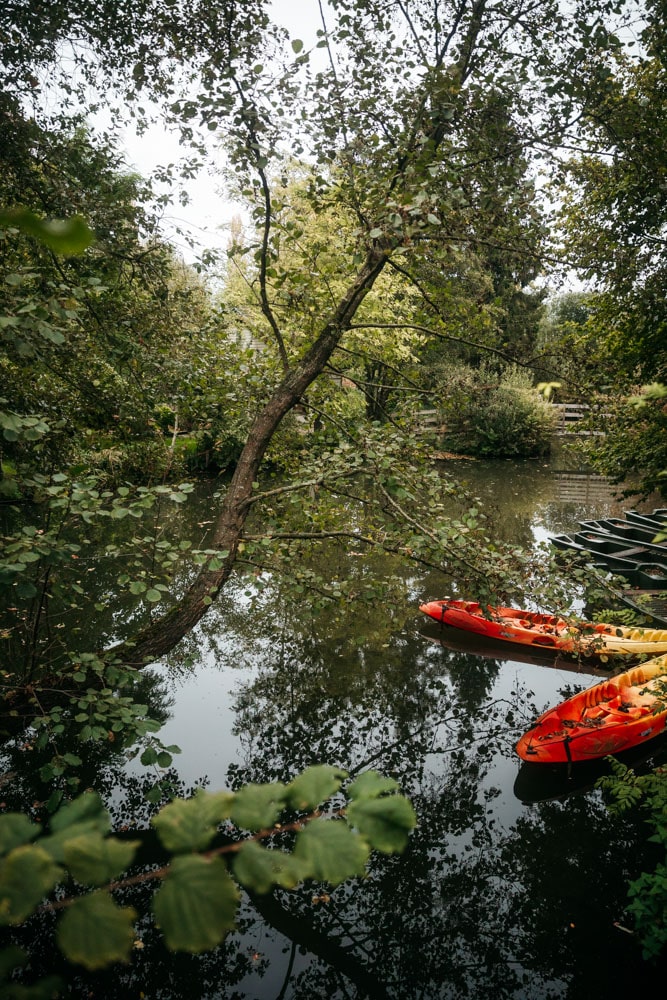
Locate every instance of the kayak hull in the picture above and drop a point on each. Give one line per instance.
(607, 718)
(546, 631)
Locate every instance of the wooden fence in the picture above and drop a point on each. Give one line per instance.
(569, 415)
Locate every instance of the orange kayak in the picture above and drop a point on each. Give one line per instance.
(533, 628)
(607, 718)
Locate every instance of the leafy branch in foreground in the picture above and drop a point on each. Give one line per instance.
(64, 236)
(648, 893)
(196, 899)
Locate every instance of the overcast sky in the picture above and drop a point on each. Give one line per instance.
(208, 215)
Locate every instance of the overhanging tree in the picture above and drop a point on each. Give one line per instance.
(384, 108)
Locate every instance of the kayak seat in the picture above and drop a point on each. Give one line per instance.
(600, 694)
(648, 634)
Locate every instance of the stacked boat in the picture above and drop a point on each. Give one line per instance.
(625, 545)
(633, 546)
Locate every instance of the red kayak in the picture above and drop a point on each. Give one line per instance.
(533, 628)
(607, 718)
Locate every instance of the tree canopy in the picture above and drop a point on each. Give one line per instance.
(417, 157)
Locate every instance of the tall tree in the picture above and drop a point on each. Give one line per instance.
(89, 342)
(616, 229)
(384, 108)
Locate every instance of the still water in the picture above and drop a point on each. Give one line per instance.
(514, 883)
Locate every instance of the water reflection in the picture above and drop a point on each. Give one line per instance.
(504, 892)
(530, 500)
(481, 646)
(541, 783)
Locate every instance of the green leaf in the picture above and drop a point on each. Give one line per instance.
(95, 860)
(258, 868)
(88, 807)
(16, 829)
(370, 785)
(153, 595)
(56, 843)
(83, 816)
(297, 45)
(385, 822)
(258, 806)
(331, 852)
(27, 874)
(190, 824)
(196, 905)
(314, 785)
(94, 932)
(65, 236)
(29, 557)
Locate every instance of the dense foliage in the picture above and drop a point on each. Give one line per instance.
(495, 415)
(394, 226)
(615, 218)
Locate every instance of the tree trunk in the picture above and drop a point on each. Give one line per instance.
(162, 634)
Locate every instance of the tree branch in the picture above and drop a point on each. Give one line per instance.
(256, 152)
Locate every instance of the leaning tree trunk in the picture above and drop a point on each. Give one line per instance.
(162, 634)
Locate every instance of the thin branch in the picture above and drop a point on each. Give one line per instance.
(413, 387)
(255, 147)
(324, 415)
(420, 527)
(456, 22)
(160, 873)
(468, 44)
(303, 485)
(348, 161)
(413, 32)
(443, 336)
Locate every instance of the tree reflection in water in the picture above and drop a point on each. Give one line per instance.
(497, 896)
(474, 907)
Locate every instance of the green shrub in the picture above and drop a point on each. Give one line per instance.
(144, 460)
(493, 415)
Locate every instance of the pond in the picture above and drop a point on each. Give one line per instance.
(514, 882)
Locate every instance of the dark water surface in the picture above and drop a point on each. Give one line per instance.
(514, 883)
